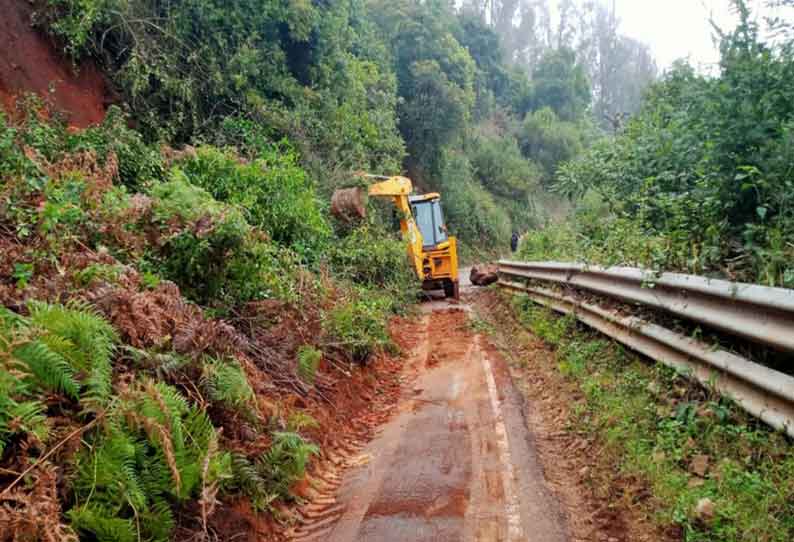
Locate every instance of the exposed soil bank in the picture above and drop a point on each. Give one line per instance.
(31, 63)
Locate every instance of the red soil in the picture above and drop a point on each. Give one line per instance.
(30, 62)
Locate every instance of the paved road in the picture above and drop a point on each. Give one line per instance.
(454, 463)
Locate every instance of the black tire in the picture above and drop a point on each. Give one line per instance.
(451, 289)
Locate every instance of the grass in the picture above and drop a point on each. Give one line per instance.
(684, 442)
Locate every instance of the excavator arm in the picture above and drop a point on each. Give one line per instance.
(399, 188)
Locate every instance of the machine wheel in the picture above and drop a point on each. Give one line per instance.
(451, 289)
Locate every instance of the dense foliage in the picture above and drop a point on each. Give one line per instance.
(700, 179)
(359, 85)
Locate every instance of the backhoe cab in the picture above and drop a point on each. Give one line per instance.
(433, 253)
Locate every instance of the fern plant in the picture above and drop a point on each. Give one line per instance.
(271, 475)
(285, 462)
(309, 359)
(88, 342)
(19, 414)
(247, 479)
(155, 451)
(226, 383)
(57, 343)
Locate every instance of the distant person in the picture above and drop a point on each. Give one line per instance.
(514, 242)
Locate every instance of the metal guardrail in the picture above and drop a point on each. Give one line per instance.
(761, 391)
(758, 313)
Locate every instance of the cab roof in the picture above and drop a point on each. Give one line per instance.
(424, 197)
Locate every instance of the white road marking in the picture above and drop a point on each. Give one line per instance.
(515, 532)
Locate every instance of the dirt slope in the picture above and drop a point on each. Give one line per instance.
(31, 63)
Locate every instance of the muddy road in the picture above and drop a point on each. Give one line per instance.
(454, 462)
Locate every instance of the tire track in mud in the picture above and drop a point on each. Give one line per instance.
(322, 512)
(441, 468)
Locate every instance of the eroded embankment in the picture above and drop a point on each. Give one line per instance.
(30, 62)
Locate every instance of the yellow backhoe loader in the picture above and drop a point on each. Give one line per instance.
(433, 253)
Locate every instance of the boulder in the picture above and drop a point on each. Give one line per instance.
(484, 275)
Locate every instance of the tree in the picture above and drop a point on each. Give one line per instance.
(561, 84)
(435, 75)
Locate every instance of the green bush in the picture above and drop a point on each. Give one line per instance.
(471, 211)
(703, 170)
(63, 211)
(220, 259)
(498, 165)
(139, 164)
(371, 257)
(358, 327)
(550, 142)
(273, 191)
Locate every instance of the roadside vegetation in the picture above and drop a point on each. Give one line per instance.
(695, 463)
(179, 315)
(699, 179)
(171, 324)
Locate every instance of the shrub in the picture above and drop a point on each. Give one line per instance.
(178, 198)
(358, 327)
(471, 211)
(371, 257)
(221, 258)
(548, 141)
(704, 168)
(498, 165)
(139, 165)
(273, 191)
(62, 213)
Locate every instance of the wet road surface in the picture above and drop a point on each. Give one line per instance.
(455, 462)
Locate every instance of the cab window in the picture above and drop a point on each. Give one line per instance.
(430, 221)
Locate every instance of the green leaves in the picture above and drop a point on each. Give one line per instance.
(273, 191)
(702, 171)
(49, 367)
(226, 383)
(309, 359)
(151, 454)
(66, 349)
(358, 328)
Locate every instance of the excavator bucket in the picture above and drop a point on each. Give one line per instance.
(349, 204)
